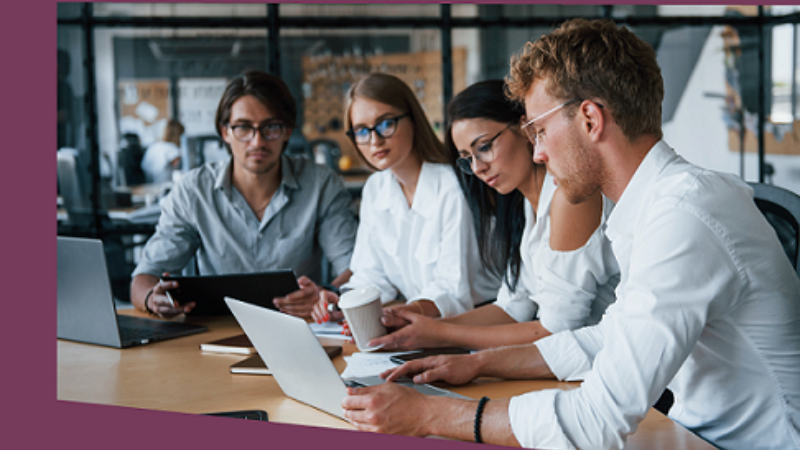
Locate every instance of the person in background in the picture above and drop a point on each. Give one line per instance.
(257, 210)
(415, 238)
(707, 303)
(163, 157)
(560, 273)
(66, 131)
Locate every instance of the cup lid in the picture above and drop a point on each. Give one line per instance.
(358, 297)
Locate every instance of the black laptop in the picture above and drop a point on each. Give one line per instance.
(86, 309)
(209, 291)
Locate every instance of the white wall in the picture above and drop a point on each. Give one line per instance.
(697, 130)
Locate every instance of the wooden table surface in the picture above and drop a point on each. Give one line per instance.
(174, 375)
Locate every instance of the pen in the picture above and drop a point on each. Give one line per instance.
(169, 297)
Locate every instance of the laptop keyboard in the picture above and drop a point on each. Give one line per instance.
(136, 334)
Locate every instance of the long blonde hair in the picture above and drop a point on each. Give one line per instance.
(392, 91)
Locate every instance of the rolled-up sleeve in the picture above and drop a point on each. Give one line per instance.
(569, 283)
(175, 240)
(517, 304)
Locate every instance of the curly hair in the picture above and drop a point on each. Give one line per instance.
(595, 60)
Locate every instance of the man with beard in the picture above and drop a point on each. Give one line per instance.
(707, 304)
(256, 211)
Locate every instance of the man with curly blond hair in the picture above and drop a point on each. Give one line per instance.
(707, 304)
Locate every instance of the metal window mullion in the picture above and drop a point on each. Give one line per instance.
(274, 39)
(90, 107)
(447, 58)
(762, 81)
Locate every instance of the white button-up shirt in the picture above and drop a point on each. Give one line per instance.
(428, 251)
(569, 289)
(708, 305)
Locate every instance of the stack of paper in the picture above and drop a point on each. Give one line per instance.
(368, 364)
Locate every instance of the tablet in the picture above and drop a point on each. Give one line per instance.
(209, 291)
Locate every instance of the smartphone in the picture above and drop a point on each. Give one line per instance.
(401, 359)
(253, 414)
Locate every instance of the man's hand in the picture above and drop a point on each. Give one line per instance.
(387, 408)
(299, 303)
(418, 331)
(453, 369)
(161, 304)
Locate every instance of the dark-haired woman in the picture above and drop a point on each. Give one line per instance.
(560, 273)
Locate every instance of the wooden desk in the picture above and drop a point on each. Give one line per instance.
(175, 375)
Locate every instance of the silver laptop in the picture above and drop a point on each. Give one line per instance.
(86, 309)
(299, 363)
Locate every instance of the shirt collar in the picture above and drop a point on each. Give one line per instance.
(425, 204)
(288, 175)
(289, 172)
(622, 220)
(224, 180)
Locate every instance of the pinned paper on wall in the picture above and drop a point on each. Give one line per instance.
(144, 106)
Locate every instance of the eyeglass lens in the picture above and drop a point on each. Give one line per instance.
(269, 131)
(384, 129)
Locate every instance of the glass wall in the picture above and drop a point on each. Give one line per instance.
(152, 62)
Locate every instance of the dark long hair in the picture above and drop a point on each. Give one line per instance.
(499, 219)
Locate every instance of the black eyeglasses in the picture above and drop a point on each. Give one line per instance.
(483, 152)
(385, 129)
(269, 131)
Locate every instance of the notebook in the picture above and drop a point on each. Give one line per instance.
(238, 344)
(86, 309)
(299, 363)
(209, 291)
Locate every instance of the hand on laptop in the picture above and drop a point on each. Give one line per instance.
(387, 408)
(411, 331)
(162, 304)
(453, 369)
(300, 303)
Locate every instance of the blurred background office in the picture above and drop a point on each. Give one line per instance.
(126, 70)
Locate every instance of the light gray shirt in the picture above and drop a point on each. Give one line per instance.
(204, 215)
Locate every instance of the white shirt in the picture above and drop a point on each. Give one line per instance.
(157, 161)
(428, 251)
(708, 304)
(569, 289)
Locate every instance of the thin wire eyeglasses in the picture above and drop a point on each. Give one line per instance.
(385, 129)
(534, 135)
(269, 131)
(483, 152)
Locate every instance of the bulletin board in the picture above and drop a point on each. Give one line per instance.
(327, 79)
(144, 107)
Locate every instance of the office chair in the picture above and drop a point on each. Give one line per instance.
(782, 210)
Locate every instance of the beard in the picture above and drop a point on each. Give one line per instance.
(583, 175)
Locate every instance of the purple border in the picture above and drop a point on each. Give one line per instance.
(31, 388)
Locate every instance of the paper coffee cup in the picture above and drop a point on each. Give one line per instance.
(363, 310)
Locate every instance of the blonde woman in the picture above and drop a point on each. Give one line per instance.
(415, 240)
